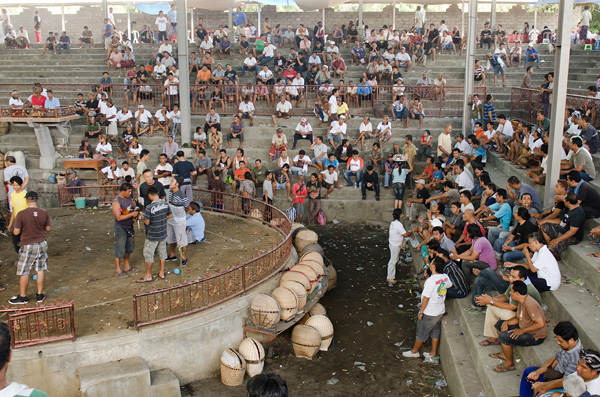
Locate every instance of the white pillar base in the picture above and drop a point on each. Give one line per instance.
(43, 134)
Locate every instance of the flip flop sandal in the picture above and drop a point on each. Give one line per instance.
(162, 278)
(488, 342)
(593, 256)
(123, 274)
(497, 356)
(142, 280)
(503, 368)
(132, 270)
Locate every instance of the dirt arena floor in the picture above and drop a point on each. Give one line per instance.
(82, 267)
(373, 325)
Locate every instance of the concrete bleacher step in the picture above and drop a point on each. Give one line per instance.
(163, 382)
(129, 376)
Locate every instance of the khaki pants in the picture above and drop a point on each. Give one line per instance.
(492, 315)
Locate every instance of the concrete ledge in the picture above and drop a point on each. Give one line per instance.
(129, 376)
(164, 383)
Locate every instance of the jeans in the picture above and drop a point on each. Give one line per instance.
(399, 190)
(297, 137)
(263, 60)
(497, 232)
(585, 176)
(66, 46)
(532, 58)
(350, 174)
(539, 283)
(522, 340)
(401, 115)
(468, 266)
(375, 188)
(486, 280)
(423, 151)
(244, 68)
(297, 170)
(453, 293)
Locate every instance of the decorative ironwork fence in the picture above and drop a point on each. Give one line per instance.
(42, 324)
(194, 296)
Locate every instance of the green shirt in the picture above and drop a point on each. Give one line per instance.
(259, 45)
(93, 127)
(376, 156)
(259, 175)
(546, 124)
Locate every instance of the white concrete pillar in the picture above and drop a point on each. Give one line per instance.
(360, 16)
(231, 15)
(62, 18)
(394, 15)
(192, 28)
(43, 134)
(129, 33)
(105, 8)
(535, 18)
(323, 19)
(184, 77)
(559, 96)
(493, 16)
(470, 65)
(462, 15)
(259, 22)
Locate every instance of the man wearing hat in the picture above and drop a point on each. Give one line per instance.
(15, 102)
(331, 51)
(303, 131)
(31, 225)
(403, 59)
(532, 55)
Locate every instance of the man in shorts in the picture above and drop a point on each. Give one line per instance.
(432, 310)
(299, 194)
(176, 235)
(87, 37)
(124, 211)
(155, 219)
(329, 179)
(31, 224)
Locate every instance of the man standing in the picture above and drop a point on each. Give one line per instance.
(445, 143)
(172, 15)
(396, 238)
(186, 170)
(31, 224)
(314, 193)
(125, 213)
(155, 219)
(161, 24)
(176, 235)
(13, 169)
(586, 18)
(150, 181)
(108, 34)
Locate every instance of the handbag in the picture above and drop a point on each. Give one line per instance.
(321, 218)
(291, 214)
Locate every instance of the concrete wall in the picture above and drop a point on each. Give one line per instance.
(190, 346)
(92, 16)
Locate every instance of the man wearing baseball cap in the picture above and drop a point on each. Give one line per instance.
(31, 224)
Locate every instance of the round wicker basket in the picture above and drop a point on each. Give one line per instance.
(287, 301)
(306, 341)
(309, 272)
(298, 290)
(233, 368)
(254, 354)
(256, 214)
(317, 309)
(315, 256)
(303, 238)
(316, 266)
(314, 247)
(322, 324)
(298, 277)
(264, 311)
(296, 225)
(332, 277)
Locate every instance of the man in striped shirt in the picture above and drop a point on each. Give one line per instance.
(176, 235)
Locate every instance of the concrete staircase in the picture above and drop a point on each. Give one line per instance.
(130, 376)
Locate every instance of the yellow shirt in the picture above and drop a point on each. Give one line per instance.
(18, 202)
(343, 108)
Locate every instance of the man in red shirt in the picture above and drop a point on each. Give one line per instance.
(239, 175)
(31, 224)
(37, 99)
(299, 192)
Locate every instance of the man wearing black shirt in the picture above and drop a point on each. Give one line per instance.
(150, 181)
(486, 36)
(279, 63)
(185, 169)
(433, 35)
(370, 181)
(142, 75)
(587, 196)
(313, 188)
(231, 74)
(200, 33)
(567, 229)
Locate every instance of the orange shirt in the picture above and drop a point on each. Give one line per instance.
(204, 75)
(239, 173)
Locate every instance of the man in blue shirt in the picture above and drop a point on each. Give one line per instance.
(498, 65)
(51, 101)
(479, 156)
(358, 53)
(195, 224)
(64, 43)
(532, 55)
(363, 91)
(239, 20)
(502, 213)
(108, 33)
(172, 15)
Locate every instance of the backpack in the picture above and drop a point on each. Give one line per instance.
(321, 218)
(291, 214)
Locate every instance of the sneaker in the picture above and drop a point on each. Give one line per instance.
(364, 197)
(391, 281)
(184, 262)
(376, 198)
(171, 258)
(18, 300)
(410, 354)
(427, 355)
(40, 298)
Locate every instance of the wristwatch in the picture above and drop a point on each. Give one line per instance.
(492, 302)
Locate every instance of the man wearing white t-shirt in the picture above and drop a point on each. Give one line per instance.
(206, 46)
(463, 178)
(110, 118)
(396, 237)
(250, 63)
(433, 307)
(300, 163)
(283, 110)
(503, 133)
(124, 117)
(543, 270)
(336, 131)
(175, 117)
(268, 54)
(333, 116)
(143, 120)
(161, 24)
(403, 60)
